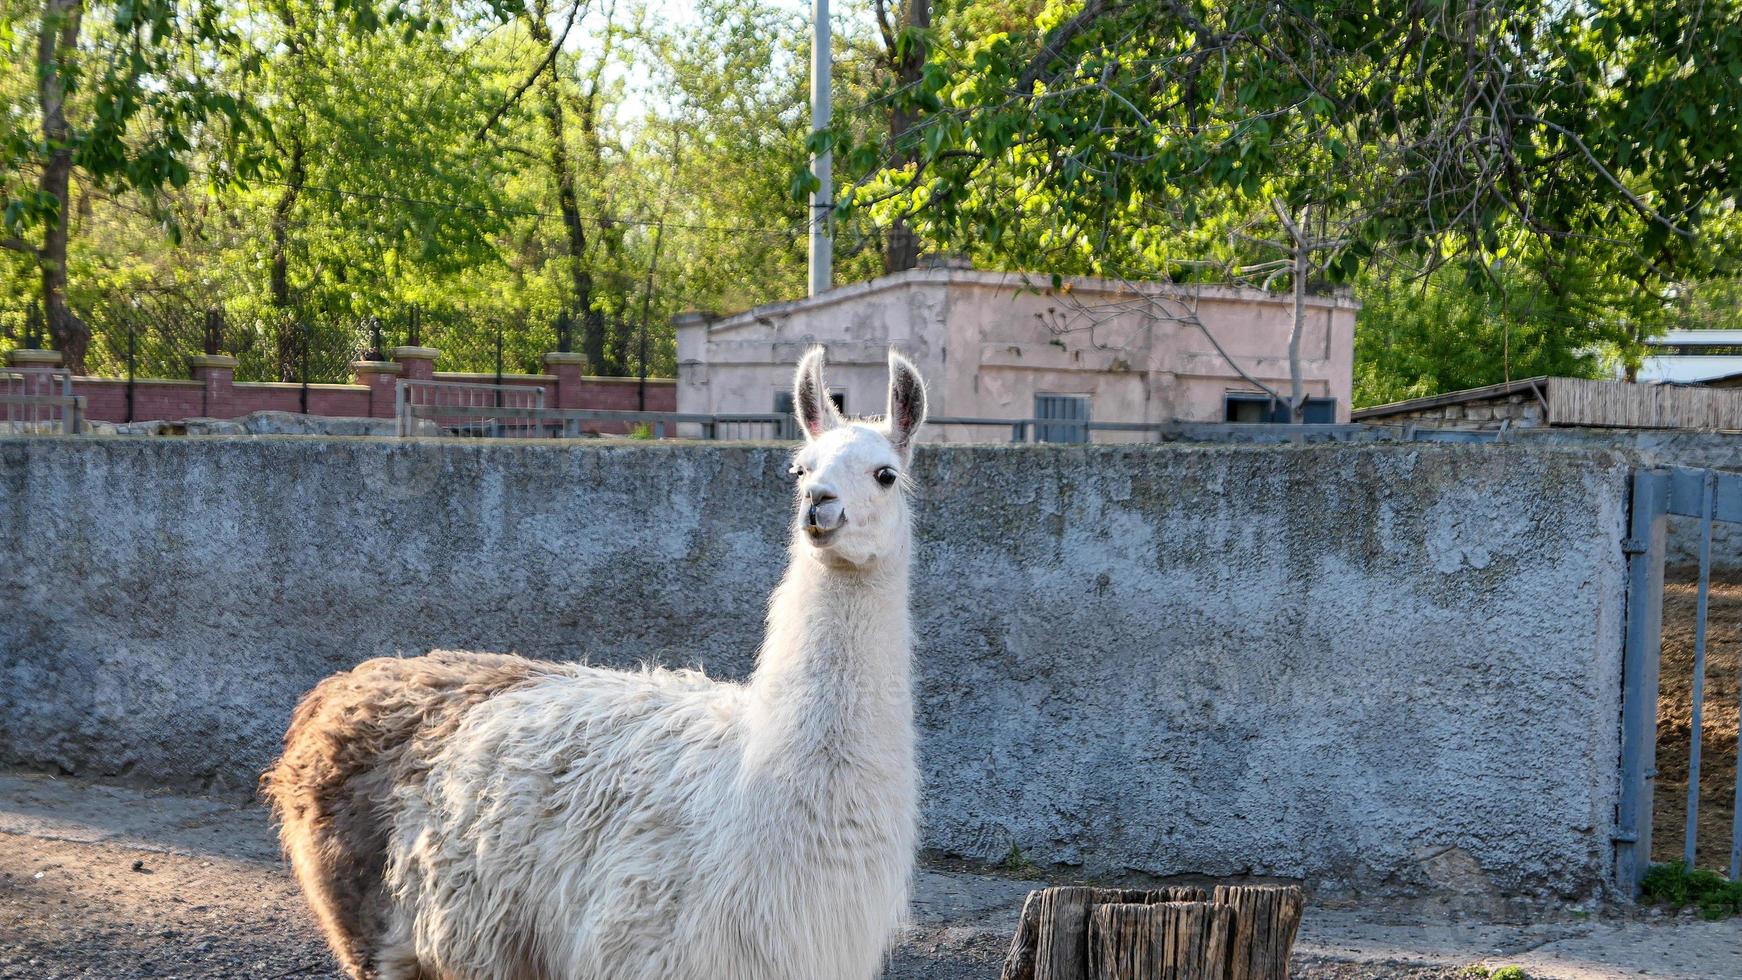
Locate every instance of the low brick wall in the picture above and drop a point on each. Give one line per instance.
(213, 393)
(106, 398)
(1376, 668)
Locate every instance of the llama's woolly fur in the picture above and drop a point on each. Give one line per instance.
(482, 816)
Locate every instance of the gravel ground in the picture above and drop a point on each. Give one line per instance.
(106, 882)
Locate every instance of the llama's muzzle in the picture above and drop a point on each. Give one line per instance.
(823, 514)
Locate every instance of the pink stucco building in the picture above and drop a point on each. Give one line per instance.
(1007, 346)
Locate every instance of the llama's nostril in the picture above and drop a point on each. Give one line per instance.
(819, 495)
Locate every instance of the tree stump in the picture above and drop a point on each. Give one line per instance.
(1266, 919)
(1079, 933)
(1165, 941)
(1052, 938)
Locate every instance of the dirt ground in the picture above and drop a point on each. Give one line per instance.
(109, 882)
(93, 911)
(1718, 729)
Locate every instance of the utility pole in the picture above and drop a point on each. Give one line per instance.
(822, 254)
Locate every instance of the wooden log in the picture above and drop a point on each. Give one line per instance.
(1266, 919)
(1052, 937)
(1165, 941)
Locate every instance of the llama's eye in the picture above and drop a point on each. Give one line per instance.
(795, 470)
(886, 476)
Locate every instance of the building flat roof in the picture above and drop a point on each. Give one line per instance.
(1031, 281)
(1696, 338)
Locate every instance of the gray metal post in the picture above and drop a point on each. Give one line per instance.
(72, 408)
(1690, 838)
(1645, 549)
(822, 256)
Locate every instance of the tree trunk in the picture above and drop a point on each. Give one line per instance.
(55, 50)
(1296, 388)
(615, 342)
(287, 198)
(593, 328)
(1300, 250)
(901, 245)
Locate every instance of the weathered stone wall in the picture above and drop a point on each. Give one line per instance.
(1379, 668)
(1485, 414)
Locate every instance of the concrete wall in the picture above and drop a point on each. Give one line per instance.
(1667, 447)
(988, 342)
(1378, 668)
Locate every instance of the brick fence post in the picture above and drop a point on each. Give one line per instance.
(216, 374)
(380, 377)
(568, 368)
(29, 357)
(418, 363)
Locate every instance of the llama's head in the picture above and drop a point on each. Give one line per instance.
(852, 475)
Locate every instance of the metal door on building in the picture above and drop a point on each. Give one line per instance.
(1061, 418)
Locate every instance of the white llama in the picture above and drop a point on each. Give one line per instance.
(467, 816)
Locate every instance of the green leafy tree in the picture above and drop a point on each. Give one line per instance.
(1302, 146)
(124, 96)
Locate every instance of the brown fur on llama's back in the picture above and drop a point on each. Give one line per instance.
(352, 740)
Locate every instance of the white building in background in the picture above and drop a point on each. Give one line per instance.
(1693, 356)
(1004, 346)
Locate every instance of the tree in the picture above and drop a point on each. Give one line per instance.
(123, 96)
(550, 76)
(1175, 140)
(363, 128)
(905, 51)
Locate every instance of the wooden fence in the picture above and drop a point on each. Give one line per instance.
(1574, 401)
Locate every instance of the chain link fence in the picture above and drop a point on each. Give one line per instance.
(22, 326)
(488, 342)
(150, 336)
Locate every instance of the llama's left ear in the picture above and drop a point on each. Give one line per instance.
(810, 397)
(906, 404)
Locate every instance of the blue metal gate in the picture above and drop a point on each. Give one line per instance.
(1708, 496)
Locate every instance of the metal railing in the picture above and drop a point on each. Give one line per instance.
(1708, 496)
(1080, 431)
(512, 421)
(455, 408)
(39, 400)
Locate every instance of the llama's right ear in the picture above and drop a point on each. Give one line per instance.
(906, 403)
(810, 399)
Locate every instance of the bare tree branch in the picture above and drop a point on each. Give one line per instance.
(1057, 38)
(543, 65)
(887, 32)
(1645, 210)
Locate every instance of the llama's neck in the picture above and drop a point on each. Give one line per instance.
(832, 691)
